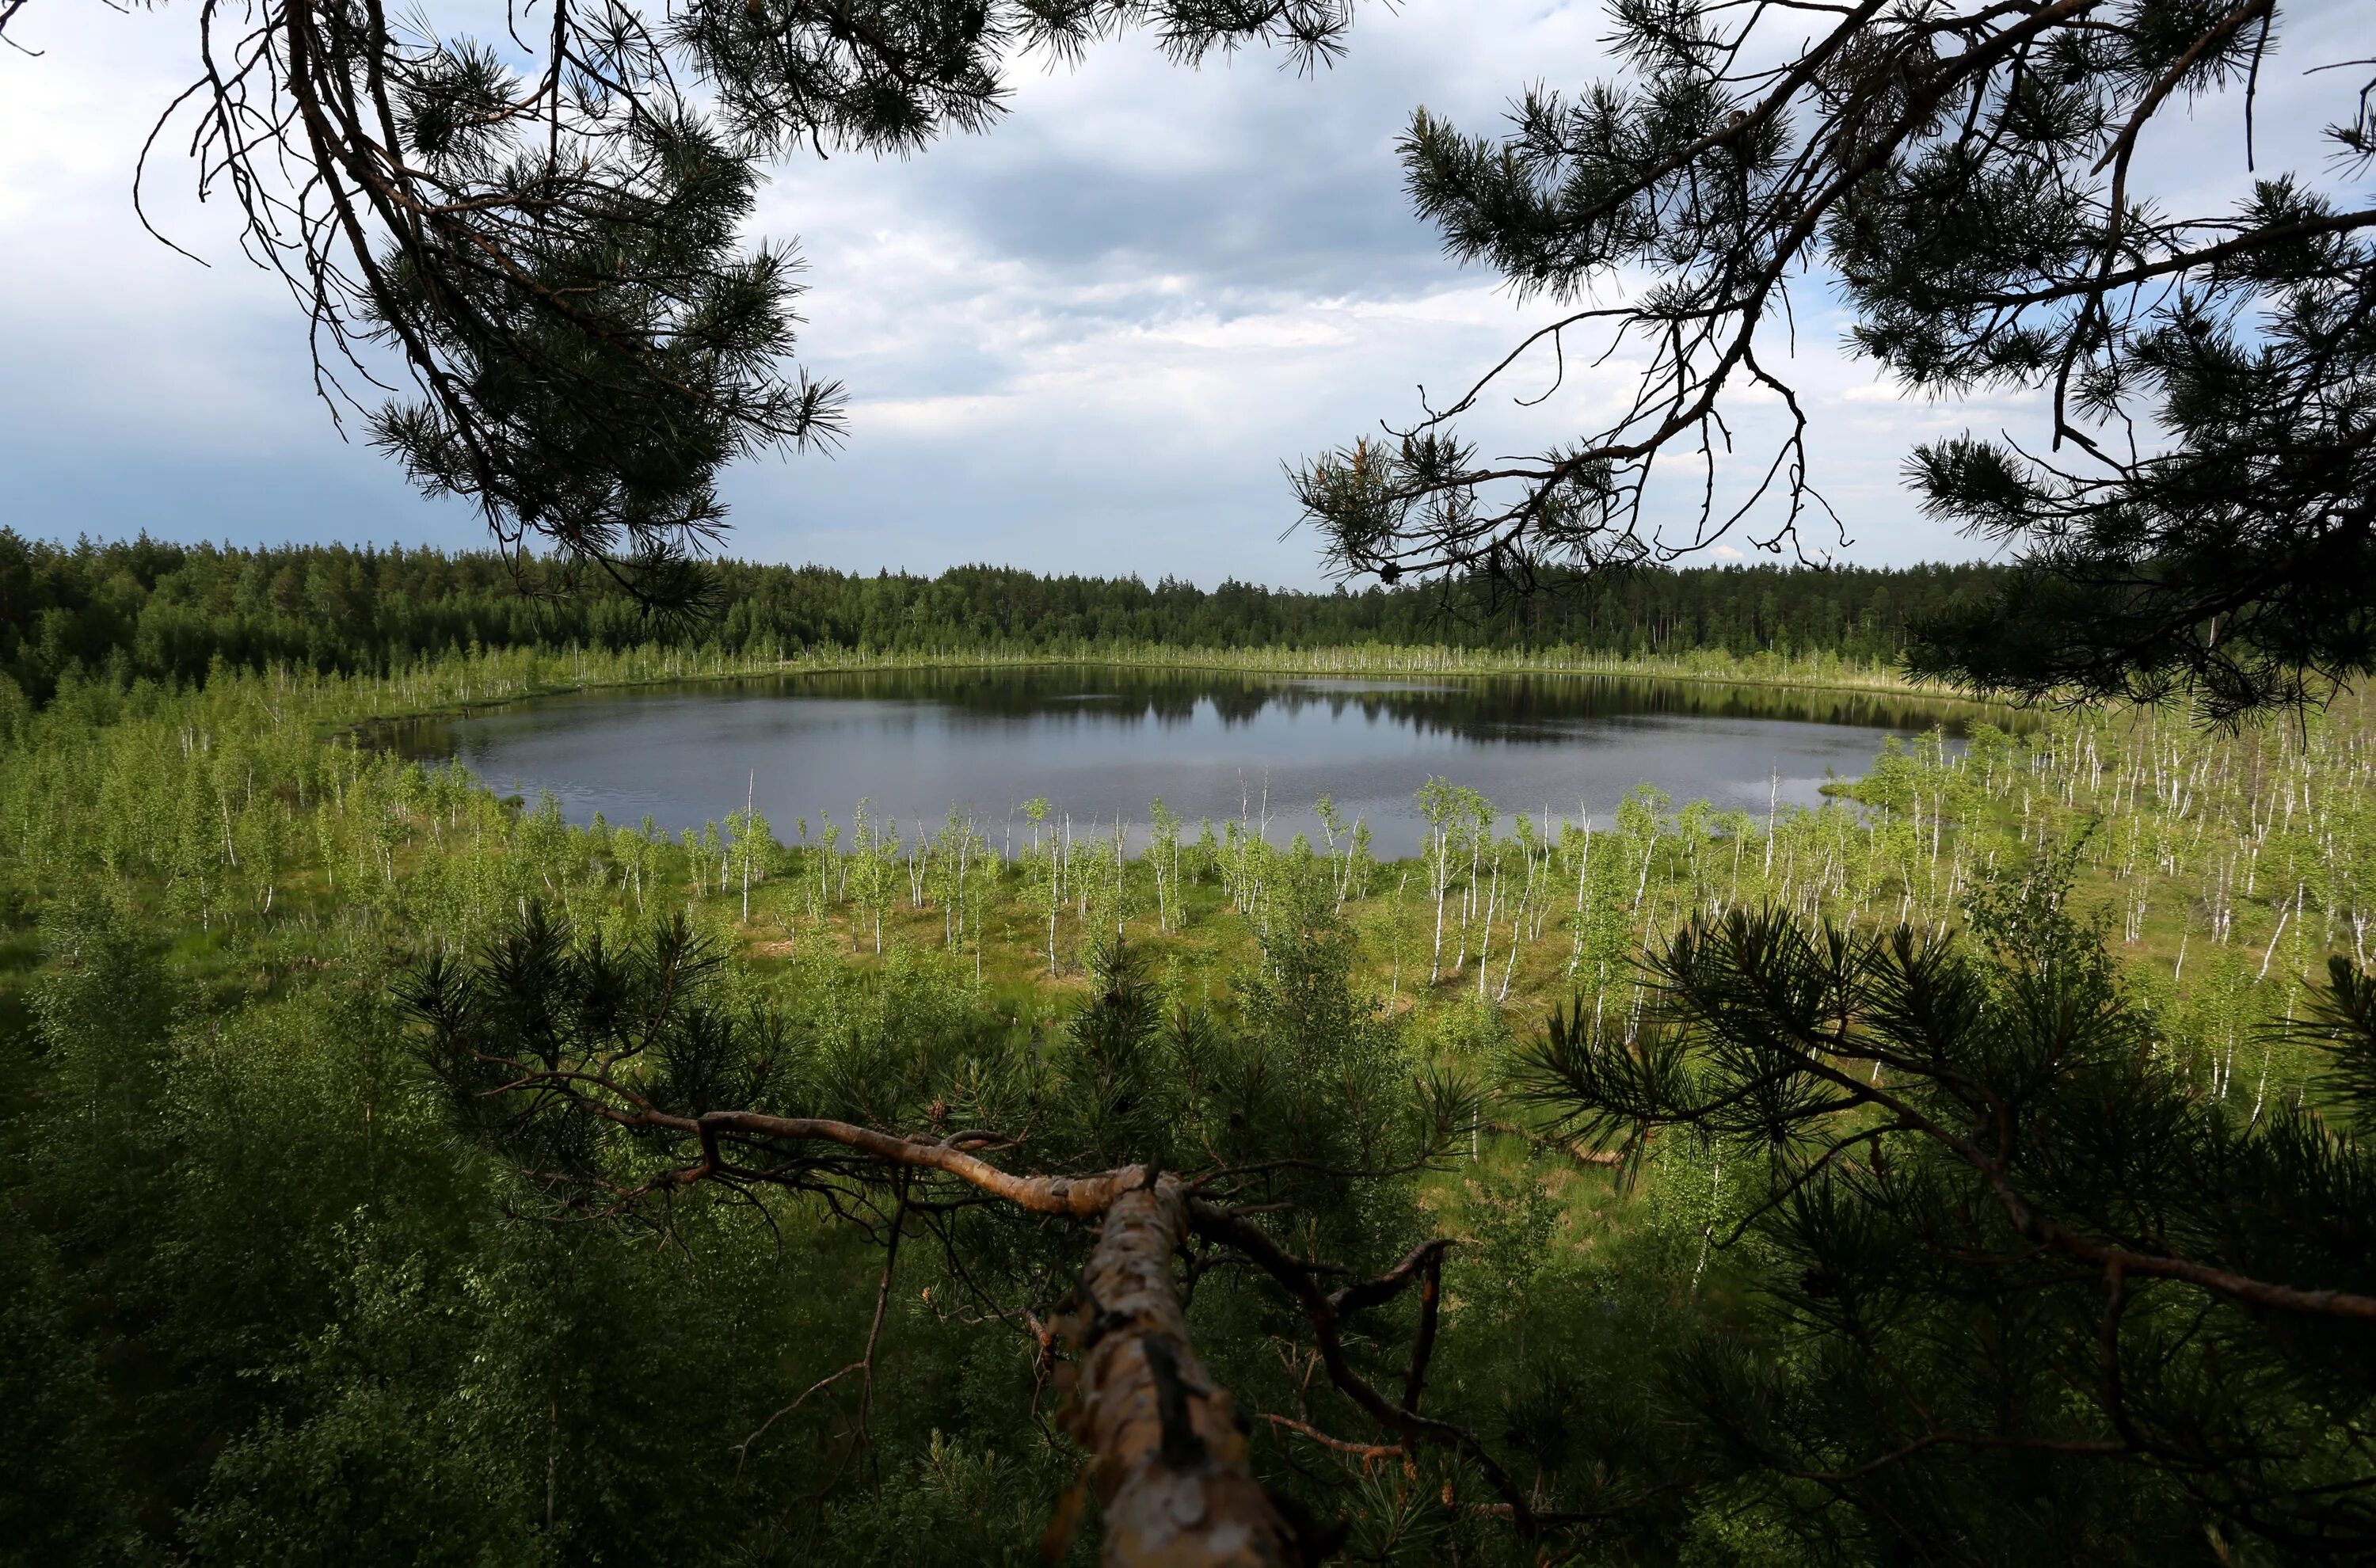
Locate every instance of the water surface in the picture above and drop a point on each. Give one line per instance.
(1100, 743)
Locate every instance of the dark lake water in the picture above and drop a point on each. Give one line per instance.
(1101, 743)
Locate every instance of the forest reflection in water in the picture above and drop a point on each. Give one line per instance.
(1101, 743)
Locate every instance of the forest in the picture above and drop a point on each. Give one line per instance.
(147, 610)
(296, 1280)
(1973, 1163)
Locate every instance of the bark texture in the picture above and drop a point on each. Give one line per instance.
(1169, 1468)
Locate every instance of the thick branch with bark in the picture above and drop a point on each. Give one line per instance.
(1168, 1447)
(1170, 1465)
(582, 1064)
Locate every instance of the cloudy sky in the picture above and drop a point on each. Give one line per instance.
(1086, 341)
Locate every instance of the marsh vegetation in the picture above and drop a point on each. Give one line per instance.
(292, 1275)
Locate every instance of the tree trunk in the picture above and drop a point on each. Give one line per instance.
(1169, 1451)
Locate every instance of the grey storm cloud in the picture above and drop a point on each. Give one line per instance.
(1302, 207)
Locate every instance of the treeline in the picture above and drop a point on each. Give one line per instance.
(145, 609)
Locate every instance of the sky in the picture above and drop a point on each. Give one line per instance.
(1086, 341)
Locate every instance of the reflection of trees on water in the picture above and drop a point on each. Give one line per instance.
(1511, 709)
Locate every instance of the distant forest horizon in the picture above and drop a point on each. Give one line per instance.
(147, 609)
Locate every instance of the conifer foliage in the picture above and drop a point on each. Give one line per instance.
(2031, 1297)
(542, 232)
(2193, 507)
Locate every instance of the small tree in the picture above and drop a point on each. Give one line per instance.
(1163, 866)
(874, 868)
(1439, 804)
(750, 844)
(1044, 870)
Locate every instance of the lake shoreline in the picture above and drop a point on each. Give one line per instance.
(1094, 743)
(1435, 663)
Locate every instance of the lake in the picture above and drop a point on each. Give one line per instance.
(1100, 743)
